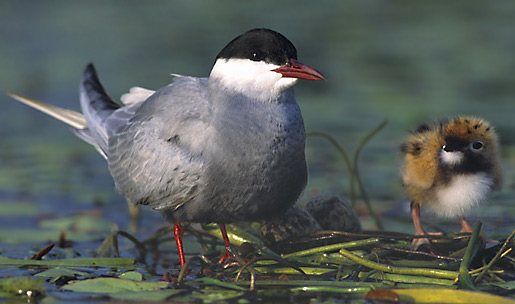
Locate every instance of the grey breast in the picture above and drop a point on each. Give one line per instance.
(203, 161)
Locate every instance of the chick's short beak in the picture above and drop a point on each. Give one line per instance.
(298, 70)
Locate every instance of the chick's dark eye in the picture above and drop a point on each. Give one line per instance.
(477, 145)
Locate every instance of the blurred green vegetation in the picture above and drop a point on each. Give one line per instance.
(404, 61)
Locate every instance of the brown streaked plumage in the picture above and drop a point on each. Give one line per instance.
(450, 166)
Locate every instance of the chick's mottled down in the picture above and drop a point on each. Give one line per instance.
(450, 166)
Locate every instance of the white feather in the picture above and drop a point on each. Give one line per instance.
(461, 194)
(251, 78)
(451, 158)
(136, 94)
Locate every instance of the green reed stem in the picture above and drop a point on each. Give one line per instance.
(464, 278)
(364, 194)
(435, 273)
(332, 247)
(411, 279)
(346, 159)
(495, 258)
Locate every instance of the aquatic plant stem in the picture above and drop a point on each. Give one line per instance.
(183, 271)
(464, 279)
(353, 171)
(364, 194)
(411, 279)
(346, 159)
(333, 247)
(435, 273)
(215, 282)
(142, 251)
(495, 258)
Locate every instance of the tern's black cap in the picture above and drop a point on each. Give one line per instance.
(260, 45)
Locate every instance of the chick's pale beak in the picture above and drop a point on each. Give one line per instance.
(299, 70)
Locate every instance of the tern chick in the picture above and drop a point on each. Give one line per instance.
(450, 166)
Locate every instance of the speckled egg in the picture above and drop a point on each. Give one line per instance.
(334, 212)
(294, 222)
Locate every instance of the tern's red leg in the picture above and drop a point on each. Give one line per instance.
(465, 227)
(177, 234)
(226, 242)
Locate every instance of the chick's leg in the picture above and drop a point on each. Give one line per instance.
(465, 227)
(419, 230)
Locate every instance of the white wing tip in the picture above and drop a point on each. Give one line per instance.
(136, 94)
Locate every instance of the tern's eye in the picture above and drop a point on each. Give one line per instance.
(476, 146)
(256, 56)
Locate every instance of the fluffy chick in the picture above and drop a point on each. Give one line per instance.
(450, 166)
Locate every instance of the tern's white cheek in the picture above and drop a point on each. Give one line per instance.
(451, 158)
(252, 78)
(285, 82)
(245, 73)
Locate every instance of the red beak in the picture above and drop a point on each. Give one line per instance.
(299, 70)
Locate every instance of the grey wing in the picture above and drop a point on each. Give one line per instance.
(154, 157)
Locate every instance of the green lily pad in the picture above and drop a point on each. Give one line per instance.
(22, 286)
(211, 295)
(76, 262)
(146, 296)
(131, 275)
(113, 285)
(60, 272)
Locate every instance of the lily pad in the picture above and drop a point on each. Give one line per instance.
(60, 272)
(77, 262)
(146, 296)
(212, 295)
(131, 275)
(22, 286)
(113, 285)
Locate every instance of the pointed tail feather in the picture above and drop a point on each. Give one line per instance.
(69, 117)
(96, 105)
(95, 96)
(74, 119)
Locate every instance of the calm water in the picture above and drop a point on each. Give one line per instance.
(406, 62)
